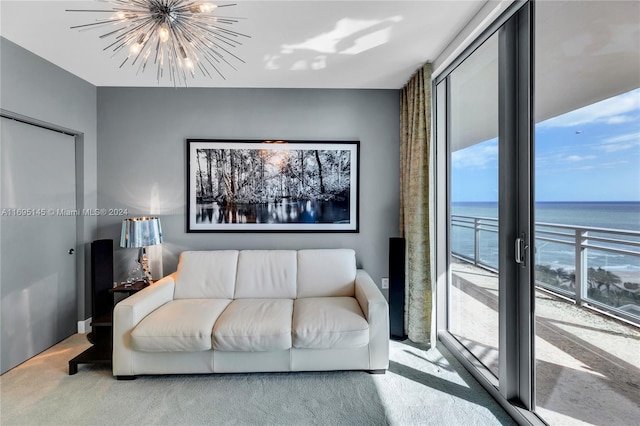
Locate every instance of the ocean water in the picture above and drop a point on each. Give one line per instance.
(609, 215)
(612, 215)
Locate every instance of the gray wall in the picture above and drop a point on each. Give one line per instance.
(142, 164)
(40, 91)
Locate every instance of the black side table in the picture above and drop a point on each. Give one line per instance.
(129, 289)
(101, 335)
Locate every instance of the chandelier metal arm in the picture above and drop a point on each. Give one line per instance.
(213, 53)
(124, 31)
(215, 29)
(206, 32)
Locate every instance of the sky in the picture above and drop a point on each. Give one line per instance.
(589, 154)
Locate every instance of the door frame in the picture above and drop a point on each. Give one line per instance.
(517, 364)
(515, 388)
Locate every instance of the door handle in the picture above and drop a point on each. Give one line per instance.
(520, 249)
(71, 251)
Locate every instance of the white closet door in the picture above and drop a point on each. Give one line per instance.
(37, 285)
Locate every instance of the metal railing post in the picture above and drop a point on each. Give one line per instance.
(476, 236)
(581, 263)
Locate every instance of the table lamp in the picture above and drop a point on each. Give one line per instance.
(141, 232)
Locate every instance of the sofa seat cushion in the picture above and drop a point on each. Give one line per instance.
(329, 322)
(254, 325)
(183, 325)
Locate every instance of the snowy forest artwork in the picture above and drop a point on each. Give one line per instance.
(272, 186)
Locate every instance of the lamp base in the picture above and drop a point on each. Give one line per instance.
(144, 264)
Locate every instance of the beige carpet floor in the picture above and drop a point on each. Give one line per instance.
(422, 387)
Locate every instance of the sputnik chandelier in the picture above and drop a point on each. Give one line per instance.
(179, 37)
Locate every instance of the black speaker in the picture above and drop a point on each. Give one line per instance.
(101, 308)
(101, 282)
(397, 259)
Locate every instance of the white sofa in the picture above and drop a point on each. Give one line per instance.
(254, 311)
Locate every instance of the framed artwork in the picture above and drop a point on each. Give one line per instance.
(272, 186)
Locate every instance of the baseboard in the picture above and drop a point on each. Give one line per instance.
(84, 326)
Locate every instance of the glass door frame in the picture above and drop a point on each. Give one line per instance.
(514, 389)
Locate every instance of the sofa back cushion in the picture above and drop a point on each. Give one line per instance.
(266, 274)
(329, 272)
(206, 274)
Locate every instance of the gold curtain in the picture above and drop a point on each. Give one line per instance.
(415, 141)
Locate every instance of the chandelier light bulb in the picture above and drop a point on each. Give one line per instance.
(189, 64)
(163, 32)
(135, 48)
(119, 15)
(206, 7)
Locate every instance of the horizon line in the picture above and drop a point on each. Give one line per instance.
(555, 201)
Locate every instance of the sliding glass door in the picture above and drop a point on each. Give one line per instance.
(587, 208)
(483, 104)
(473, 203)
(538, 244)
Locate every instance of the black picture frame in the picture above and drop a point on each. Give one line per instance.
(236, 185)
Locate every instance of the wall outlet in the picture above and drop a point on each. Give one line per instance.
(385, 283)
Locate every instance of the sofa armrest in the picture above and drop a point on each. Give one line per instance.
(128, 313)
(376, 311)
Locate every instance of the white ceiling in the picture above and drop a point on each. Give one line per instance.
(585, 52)
(297, 44)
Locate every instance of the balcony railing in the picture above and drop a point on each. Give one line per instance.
(592, 266)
